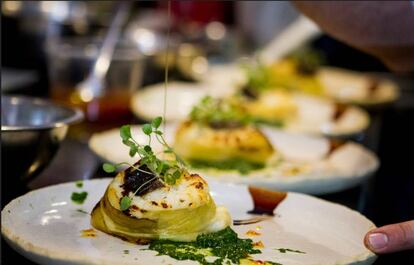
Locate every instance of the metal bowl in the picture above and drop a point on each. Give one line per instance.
(31, 131)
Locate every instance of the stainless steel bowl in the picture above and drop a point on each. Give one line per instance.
(31, 131)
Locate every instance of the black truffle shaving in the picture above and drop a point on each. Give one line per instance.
(134, 179)
(305, 68)
(249, 93)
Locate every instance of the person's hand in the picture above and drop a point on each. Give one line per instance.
(391, 238)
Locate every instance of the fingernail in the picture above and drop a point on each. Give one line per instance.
(378, 240)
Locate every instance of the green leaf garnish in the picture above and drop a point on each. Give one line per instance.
(109, 168)
(147, 129)
(156, 122)
(79, 197)
(125, 132)
(125, 203)
(168, 171)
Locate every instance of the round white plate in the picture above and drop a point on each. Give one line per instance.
(320, 172)
(45, 226)
(148, 103)
(315, 115)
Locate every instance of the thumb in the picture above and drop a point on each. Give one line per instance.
(391, 238)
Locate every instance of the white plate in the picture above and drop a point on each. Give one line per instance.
(181, 96)
(45, 226)
(315, 115)
(320, 173)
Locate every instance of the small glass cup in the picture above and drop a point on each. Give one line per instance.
(70, 60)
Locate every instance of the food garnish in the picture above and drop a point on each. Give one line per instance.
(219, 113)
(79, 183)
(163, 170)
(79, 197)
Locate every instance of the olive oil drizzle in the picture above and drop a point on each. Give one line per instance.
(167, 62)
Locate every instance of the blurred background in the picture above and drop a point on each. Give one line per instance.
(48, 47)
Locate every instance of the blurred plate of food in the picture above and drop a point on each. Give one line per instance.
(48, 227)
(148, 102)
(262, 156)
(290, 111)
(362, 89)
(306, 76)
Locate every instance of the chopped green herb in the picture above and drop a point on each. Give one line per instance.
(79, 183)
(126, 251)
(241, 165)
(82, 211)
(79, 197)
(224, 245)
(284, 250)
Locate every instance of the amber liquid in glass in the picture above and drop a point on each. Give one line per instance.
(108, 111)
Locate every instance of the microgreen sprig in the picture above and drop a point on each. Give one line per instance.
(169, 171)
(214, 110)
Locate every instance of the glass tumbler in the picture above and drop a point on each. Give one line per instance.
(70, 60)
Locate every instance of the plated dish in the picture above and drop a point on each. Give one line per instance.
(304, 230)
(340, 85)
(292, 112)
(301, 163)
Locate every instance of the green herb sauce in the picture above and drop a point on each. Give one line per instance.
(241, 165)
(217, 248)
(79, 197)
